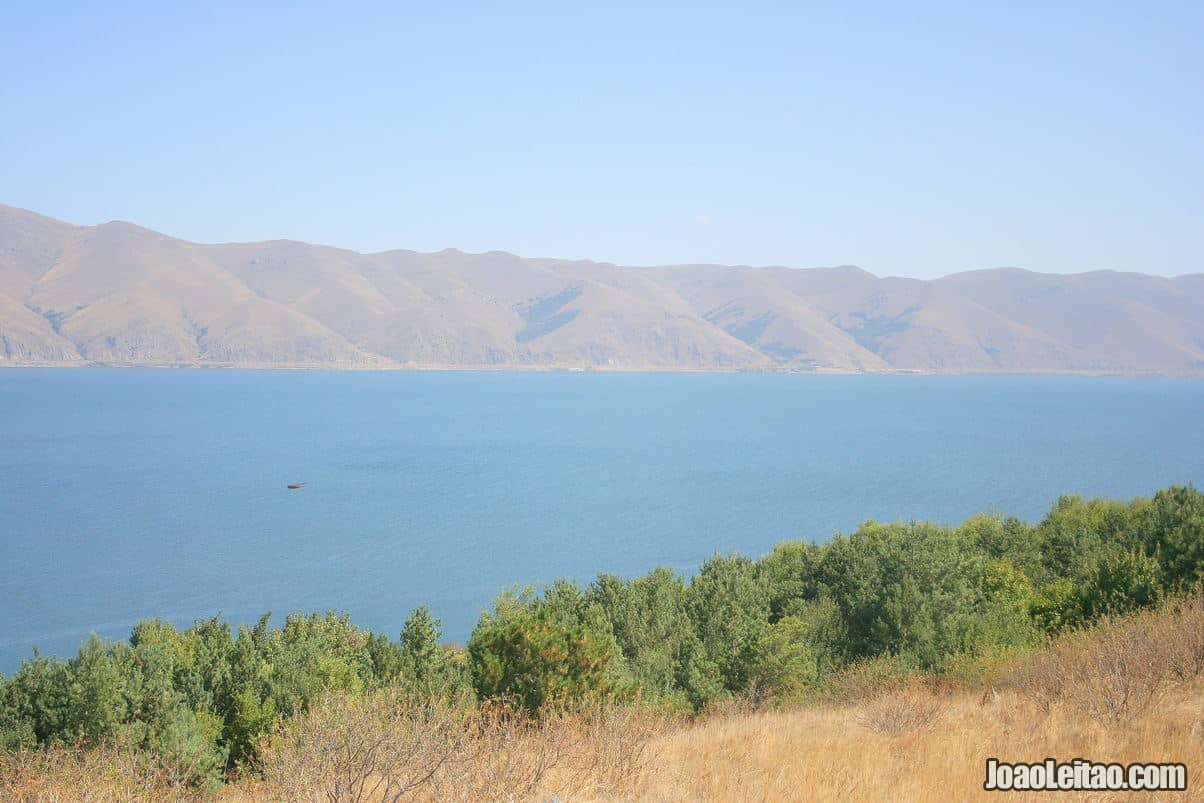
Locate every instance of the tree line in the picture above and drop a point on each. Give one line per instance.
(914, 595)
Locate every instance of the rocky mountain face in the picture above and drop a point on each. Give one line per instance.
(123, 295)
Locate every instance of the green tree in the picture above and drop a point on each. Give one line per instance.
(385, 657)
(1056, 606)
(1075, 533)
(790, 575)
(151, 666)
(905, 589)
(533, 653)
(250, 717)
(39, 699)
(1005, 538)
(728, 601)
(96, 702)
(697, 676)
(785, 664)
(206, 682)
(827, 636)
(188, 743)
(650, 625)
(1120, 581)
(427, 668)
(1172, 530)
(16, 725)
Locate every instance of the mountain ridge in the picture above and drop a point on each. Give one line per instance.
(120, 294)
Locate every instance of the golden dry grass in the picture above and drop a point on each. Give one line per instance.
(63, 775)
(838, 753)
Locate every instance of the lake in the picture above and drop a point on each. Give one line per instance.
(126, 494)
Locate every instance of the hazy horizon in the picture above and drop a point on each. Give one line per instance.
(917, 142)
(402, 247)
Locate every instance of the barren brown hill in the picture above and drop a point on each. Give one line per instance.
(119, 294)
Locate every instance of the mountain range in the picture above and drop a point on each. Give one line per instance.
(119, 294)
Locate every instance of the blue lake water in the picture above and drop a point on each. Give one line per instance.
(126, 494)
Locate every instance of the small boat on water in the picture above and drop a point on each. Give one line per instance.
(292, 486)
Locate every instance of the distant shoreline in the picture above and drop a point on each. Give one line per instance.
(607, 369)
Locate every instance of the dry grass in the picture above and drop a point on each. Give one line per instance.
(62, 775)
(825, 754)
(386, 748)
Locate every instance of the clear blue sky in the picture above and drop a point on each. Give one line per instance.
(909, 138)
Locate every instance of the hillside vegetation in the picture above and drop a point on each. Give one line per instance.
(118, 294)
(894, 658)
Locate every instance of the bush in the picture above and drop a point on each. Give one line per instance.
(388, 746)
(785, 666)
(1118, 668)
(59, 773)
(527, 653)
(1119, 582)
(1171, 527)
(983, 668)
(907, 709)
(187, 748)
(379, 747)
(1056, 606)
(868, 679)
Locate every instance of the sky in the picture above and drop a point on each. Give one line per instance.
(909, 138)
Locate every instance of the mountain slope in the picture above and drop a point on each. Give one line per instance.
(120, 294)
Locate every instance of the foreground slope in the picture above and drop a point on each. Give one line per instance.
(1126, 692)
(123, 295)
